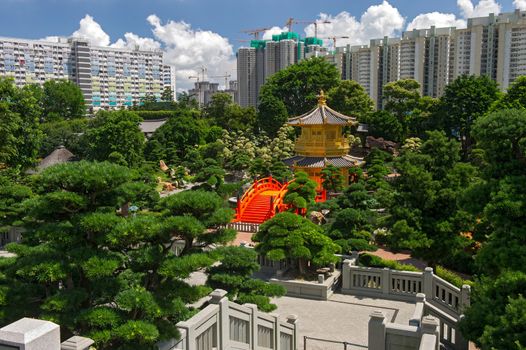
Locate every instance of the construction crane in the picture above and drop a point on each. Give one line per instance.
(203, 72)
(334, 38)
(194, 77)
(292, 21)
(255, 32)
(225, 76)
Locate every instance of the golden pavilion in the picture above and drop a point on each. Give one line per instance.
(322, 141)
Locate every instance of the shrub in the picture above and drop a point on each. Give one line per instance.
(375, 261)
(451, 277)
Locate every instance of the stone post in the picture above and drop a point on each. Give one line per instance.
(219, 297)
(346, 275)
(465, 297)
(77, 343)
(253, 325)
(430, 326)
(428, 283)
(293, 320)
(31, 334)
(385, 280)
(321, 278)
(276, 323)
(376, 336)
(460, 342)
(419, 310)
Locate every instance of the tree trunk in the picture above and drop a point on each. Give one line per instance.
(301, 266)
(125, 209)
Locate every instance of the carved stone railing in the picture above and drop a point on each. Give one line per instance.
(432, 295)
(224, 325)
(428, 332)
(404, 285)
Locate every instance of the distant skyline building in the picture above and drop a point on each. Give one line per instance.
(204, 90)
(493, 45)
(108, 77)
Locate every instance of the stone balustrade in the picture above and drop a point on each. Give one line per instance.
(225, 325)
(404, 285)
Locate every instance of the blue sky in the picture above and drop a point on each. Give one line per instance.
(226, 17)
(211, 29)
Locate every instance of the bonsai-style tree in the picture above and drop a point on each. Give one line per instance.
(234, 275)
(332, 178)
(301, 192)
(197, 216)
(93, 270)
(291, 236)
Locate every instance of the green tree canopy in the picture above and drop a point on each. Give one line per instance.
(272, 113)
(110, 277)
(301, 192)
(167, 95)
(198, 216)
(116, 131)
(223, 112)
(62, 99)
(426, 216)
(67, 133)
(496, 319)
(20, 134)
(176, 137)
(386, 125)
(293, 91)
(332, 178)
(515, 97)
(288, 235)
(465, 100)
(234, 274)
(351, 99)
(401, 97)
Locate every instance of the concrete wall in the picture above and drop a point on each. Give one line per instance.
(422, 333)
(318, 290)
(224, 325)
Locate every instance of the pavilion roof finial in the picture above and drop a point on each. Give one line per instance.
(322, 99)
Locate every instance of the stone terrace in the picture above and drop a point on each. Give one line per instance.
(342, 318)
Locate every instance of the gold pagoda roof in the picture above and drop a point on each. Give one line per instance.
(322, 114)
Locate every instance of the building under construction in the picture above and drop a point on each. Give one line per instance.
(265, 57)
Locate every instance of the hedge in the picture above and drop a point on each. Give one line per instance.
(451, 277)
(375, 261)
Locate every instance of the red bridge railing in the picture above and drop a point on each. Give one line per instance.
(258, 187)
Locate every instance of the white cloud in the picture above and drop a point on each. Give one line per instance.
(483, 8)
(275, 30)
(376, 22)
(185, 48)
(520, 4)
(131, 41)
(467, 10)
(436, 19)
(53, 39)
(189, 49)
(91, 30)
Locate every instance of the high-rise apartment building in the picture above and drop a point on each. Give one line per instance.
(247, 76)
(108, 77)
(255, 64)
(494, 46)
